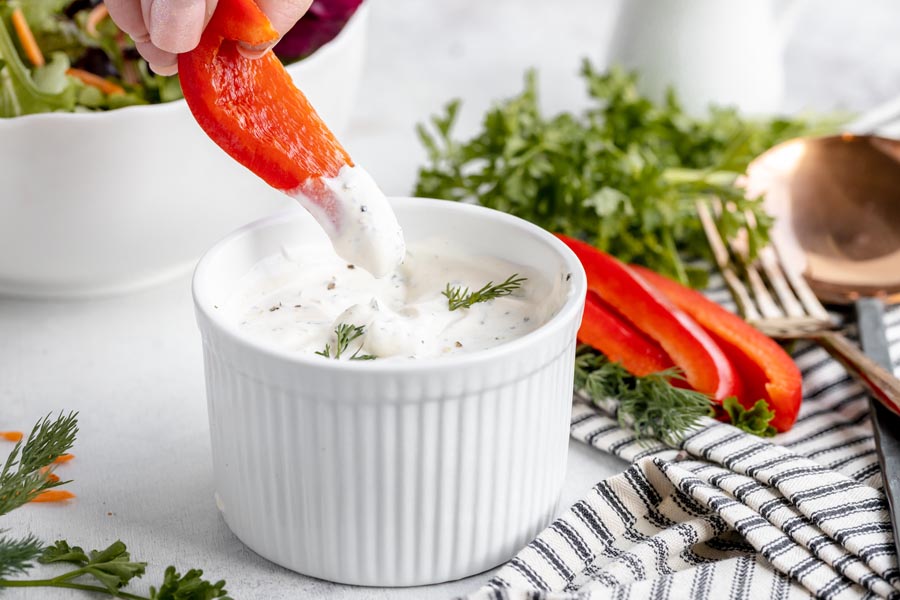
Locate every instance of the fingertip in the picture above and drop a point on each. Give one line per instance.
(176, 25)
(283, 14)
(128, 15)
(164, 70)
(162, 62)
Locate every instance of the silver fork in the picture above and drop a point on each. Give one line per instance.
(780, 303)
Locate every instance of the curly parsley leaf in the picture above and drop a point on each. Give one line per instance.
(624, 175)
(111, 566)
(190, 586)
(755, 420)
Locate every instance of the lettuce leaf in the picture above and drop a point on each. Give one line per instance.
(21, 93)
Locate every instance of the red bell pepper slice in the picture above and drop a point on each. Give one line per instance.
(607, 331)
(705, 365)
(251, 108)
(767, 371)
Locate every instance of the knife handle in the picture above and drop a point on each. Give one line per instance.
(880, 382)
(870, 316)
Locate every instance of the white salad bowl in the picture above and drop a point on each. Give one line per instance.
(392, 472)
(106, 202)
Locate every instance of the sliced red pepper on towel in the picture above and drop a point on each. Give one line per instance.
(767, 371)
(251, 108)
(604, 329)
(705, 365)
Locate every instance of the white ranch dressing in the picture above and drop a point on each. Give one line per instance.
(357, 218)
(295, 300)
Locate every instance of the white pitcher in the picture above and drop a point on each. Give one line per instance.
(725, 52)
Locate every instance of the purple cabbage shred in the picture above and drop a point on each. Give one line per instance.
(321, 24)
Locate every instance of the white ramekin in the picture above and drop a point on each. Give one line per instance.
(108, 202)
(390, 473)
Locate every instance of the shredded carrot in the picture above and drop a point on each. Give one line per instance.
(54, 496)
(53, 477)
(11, 436)
(97, 14)
(26, 38)
(88, 78)
(64, 458)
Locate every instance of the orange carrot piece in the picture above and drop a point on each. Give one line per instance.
(52, 477)
(97, 14)
(64, 458)
(26, 38)
(54, 496)
(11, 436)
(88, 78)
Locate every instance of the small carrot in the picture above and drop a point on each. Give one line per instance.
(11, 436)
(97, 14)
(88, 78)
(64, 458)
(54, 496)
(26, 38)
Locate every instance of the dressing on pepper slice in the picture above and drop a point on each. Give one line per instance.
(253, 111)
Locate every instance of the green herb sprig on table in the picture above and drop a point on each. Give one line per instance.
(757, 420)
(653, 407)
(459, 297)
(25, 475)
(345, 334)
(26, 472)
(624, 175)
(649, 405)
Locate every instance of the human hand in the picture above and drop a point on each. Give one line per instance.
(162, 29)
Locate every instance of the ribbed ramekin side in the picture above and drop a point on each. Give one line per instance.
(398, 491)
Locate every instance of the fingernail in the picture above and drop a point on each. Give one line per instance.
(176, 25)
(253, 52)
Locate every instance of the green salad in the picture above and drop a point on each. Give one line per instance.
(69, 56)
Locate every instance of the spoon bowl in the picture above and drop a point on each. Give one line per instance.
(836, 201)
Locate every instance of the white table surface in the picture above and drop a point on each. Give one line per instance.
(132, 366)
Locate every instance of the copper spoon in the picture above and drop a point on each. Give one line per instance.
(837, 206)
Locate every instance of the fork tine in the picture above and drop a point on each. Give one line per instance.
(721, 256)
(771, 266)
(812, 305)
(741, 251)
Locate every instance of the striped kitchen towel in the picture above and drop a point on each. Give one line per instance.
(727, 515)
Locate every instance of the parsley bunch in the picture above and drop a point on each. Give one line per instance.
(623, 175)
